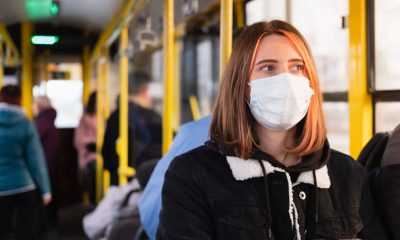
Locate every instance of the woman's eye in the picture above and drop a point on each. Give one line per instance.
(267, 68)
(298, 67)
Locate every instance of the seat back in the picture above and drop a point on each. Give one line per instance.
(371, 155)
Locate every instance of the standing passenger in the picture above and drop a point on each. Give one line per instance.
(268, 171)
(144, 126)
(22, 167)
(50, 139)
(85, 142)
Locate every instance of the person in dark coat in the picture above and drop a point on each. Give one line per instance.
(268, 171)
(50, 139)
(144, 125)
(388, 185)
(49, 134)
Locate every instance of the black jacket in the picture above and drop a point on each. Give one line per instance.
(210, 194)
(145, 129)
(388, 186)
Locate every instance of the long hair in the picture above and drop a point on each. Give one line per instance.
(232, 121)
(43, 103)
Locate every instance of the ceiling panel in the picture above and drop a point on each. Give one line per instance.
(88, 13)
(85, 14)
(12, 11)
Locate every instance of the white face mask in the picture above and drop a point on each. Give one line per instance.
(280, 102)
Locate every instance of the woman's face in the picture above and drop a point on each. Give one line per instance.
(276, 54)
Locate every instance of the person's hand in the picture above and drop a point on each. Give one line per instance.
(46, 199)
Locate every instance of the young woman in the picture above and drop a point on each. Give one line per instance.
(268, 171)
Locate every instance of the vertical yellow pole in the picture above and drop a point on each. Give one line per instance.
(194, 106)
(27, 79)
(177, 88)
(123, 113)
(106, 102)
(239, 9)
(86, 78)
(100, 130)
(360, 103)
(106, 69)
(168, 45)
(87, 74)
(225, 34)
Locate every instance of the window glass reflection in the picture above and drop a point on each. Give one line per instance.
(337, 124)
(265, 10)
(387, 45)
(387, 116)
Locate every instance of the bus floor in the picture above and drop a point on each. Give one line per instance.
(69, 224)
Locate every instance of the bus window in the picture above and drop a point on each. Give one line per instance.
(387, 115)
(337, 123)
(387, 45)
(265, 10)
(66, 98)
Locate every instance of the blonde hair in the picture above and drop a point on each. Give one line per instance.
(232, 121)
(42, 103)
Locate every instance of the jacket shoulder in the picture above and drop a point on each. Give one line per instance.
(197, 156)
(344, 166)
(200, 159)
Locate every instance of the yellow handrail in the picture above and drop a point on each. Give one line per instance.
(194, 106)
(118, 17)
(124, 170)
(177, 87)
(360, 102)
(9, 42)
(106, 181)
(239, 9)
(225, 34)
(168, 48)
(27, 79)
(100, 130)
(87, 74)
(106, 69)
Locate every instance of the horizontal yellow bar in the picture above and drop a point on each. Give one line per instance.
(8, 40)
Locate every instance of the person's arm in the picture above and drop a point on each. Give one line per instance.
(185, 213)
(35, 160)
(109, 151)
(82, 138)
(372, 228)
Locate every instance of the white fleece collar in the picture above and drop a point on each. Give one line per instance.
(250, 168)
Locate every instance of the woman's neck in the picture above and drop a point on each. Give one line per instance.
(275, 143)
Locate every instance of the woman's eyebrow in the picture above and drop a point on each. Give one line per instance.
(296, 60)
(266, 61)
